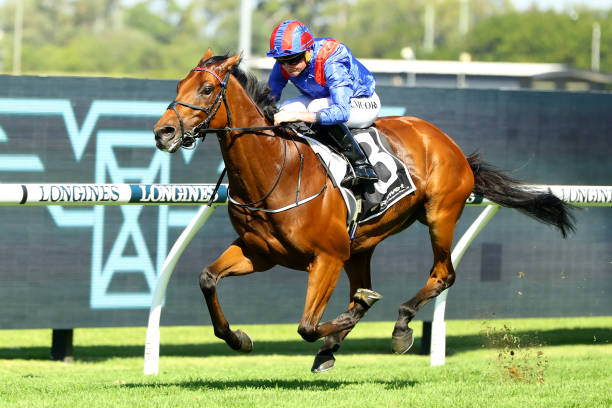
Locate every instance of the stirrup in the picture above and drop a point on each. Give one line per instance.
(363, 174)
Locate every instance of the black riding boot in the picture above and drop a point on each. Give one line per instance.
(364, 171)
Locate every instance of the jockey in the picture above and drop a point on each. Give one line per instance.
(337, 90)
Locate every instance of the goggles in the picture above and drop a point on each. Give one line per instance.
(291, 59)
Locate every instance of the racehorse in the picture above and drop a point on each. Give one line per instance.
(288, 212)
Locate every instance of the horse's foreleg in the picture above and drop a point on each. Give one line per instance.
(361, 299)
(441, 276)
(323, 275)
(236, 260)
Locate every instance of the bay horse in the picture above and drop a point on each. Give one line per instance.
(288, 212)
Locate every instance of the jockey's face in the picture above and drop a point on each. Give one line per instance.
(294, 66)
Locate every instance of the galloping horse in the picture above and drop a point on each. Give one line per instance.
(271, 168)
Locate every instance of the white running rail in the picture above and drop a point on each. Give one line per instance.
(197, 194)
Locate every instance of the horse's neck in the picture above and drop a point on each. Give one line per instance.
(252, 159)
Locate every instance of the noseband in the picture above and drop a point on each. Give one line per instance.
(188, 137)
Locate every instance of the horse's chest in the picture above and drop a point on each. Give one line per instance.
(261, 235)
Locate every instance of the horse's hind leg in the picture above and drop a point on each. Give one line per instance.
(236, 260)
(441, 220)
(358, 271)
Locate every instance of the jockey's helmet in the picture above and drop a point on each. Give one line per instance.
(288, 38)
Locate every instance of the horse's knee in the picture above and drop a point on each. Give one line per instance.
(208, 283)
(442, 277)
(308, 332)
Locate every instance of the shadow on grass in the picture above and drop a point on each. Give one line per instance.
(454, 345)
(304, 385)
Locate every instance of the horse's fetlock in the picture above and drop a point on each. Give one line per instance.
(407, 311)
(308, 333)
(448, 282)
(221, 332)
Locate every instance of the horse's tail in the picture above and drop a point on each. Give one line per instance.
(506, 191)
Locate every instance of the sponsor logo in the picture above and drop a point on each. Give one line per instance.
(173, 194)
(363, 104)
(586, 195)
(67, 193)
(396, 190)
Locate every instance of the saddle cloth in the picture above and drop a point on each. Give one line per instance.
(394, 179)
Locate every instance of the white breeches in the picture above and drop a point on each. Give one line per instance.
(364, 110)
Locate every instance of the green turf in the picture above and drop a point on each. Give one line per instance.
(567, 365)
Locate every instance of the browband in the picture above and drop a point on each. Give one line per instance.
(210, 72)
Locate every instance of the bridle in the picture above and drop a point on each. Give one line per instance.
(189, 137)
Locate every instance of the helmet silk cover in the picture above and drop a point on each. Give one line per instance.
(288, 38)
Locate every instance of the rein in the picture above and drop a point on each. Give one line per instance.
(188, 138)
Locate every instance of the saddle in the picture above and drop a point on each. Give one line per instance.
(363, 201)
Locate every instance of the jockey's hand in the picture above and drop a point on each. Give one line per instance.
(287, 116)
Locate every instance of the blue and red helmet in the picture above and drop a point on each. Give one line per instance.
(288, 38)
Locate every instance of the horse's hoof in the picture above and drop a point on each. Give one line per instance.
(367, 296)
(246, 345)
(322, 363)
(401, 344)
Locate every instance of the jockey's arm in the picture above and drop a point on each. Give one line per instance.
(340, 108)
(338, 82)
(338, 111)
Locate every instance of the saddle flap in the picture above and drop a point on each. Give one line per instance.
(394, 179)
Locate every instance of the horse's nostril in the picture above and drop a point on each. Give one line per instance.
(164, 132)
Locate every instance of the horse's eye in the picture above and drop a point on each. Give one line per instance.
(206, 90)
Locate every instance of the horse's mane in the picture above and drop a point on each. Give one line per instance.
(257, 90)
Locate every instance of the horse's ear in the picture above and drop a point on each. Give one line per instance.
(208, 55)
(230, 62)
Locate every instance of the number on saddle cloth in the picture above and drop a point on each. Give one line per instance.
(394, 180)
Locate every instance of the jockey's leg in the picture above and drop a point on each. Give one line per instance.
(363, 112)
(364, 171)
(297, 104)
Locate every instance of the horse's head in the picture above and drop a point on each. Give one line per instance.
(199, 104)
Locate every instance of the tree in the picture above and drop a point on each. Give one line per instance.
(542, 36)
(165, 38)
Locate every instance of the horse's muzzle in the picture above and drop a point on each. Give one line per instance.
(166, 139)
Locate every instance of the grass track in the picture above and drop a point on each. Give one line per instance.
(196, 369)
